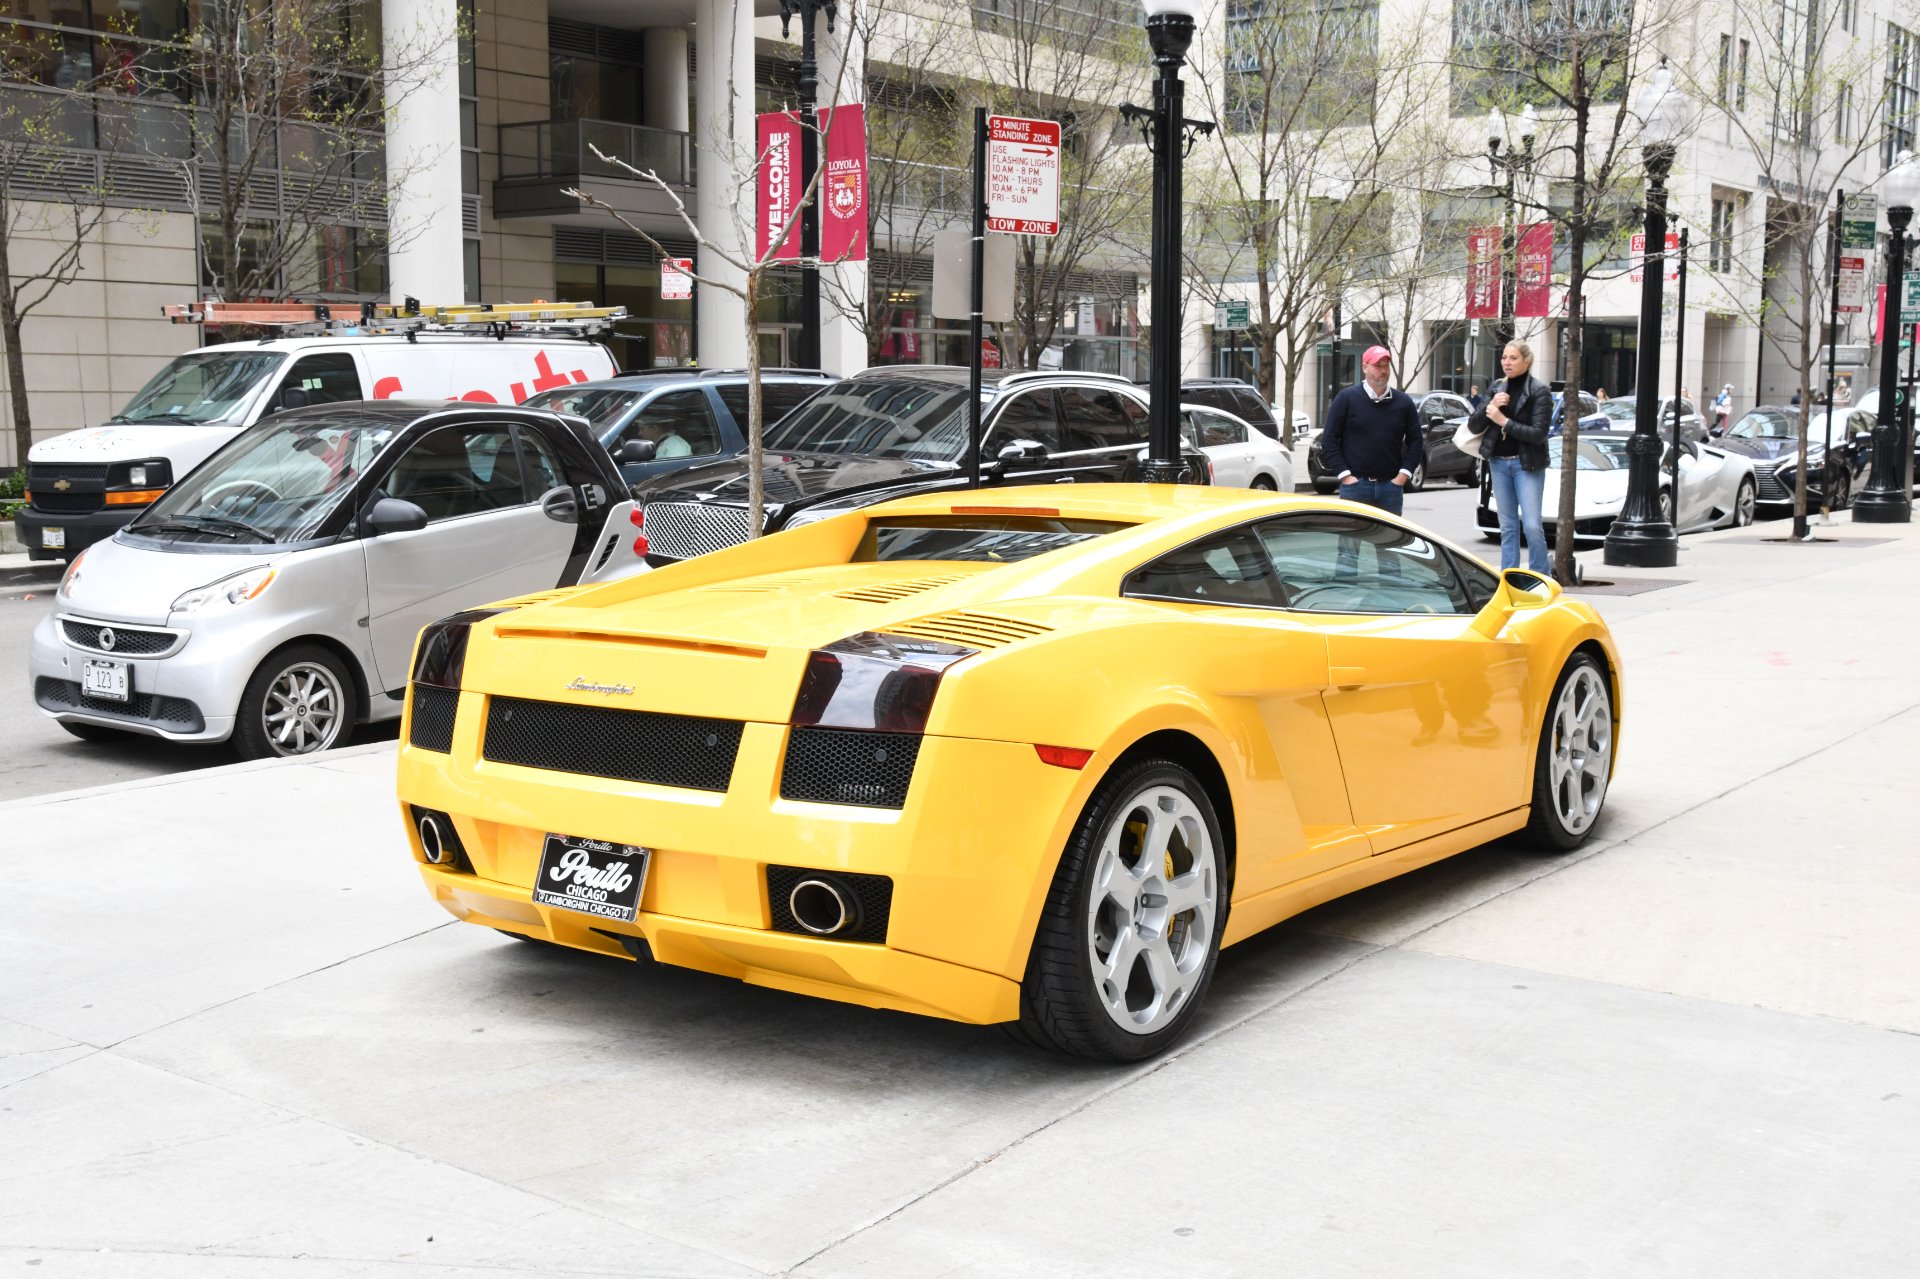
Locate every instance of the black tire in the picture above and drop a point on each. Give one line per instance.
(95, 732)
(1264, 484)
(1470, 476)
(1745, 504)
(1842, 493)
(1418, 480)
(1664, 504)
(1062, 1006)
(1325, 486)
(1548, 829)
(254, 738)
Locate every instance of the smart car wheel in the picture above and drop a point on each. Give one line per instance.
(1743, 504)
(1574, 760)
(1127, 942)
(299, 701)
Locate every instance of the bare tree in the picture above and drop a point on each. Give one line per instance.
(1571, 59)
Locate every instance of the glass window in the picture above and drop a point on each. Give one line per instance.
(1026, 417)
(881, 417)
(1229, 568)
(777, 399)
(1211, 429)
(1095, 420)
(600, 405)
(327, 379)
(201, 388)
(679, 423)
(459, 471)
(1481, 582)
(1340, 563)
(539, 464)
(995, 539)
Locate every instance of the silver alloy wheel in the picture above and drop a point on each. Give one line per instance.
(1665, 504)
(1743, 505)
(1151, 914)
(1581, 754)
(303, 710)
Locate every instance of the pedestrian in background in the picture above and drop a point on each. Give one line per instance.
(1372, 440)
(1475, 400)
(1517, 418)
(1722, 409)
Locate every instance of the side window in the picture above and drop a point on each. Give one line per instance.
(1228, 568)
(1481, 583)
(1215, 428)
(680, 424)
(1096, 420)
(1340, 563)
(784, 397)
(539, 464)
(1250, 406)
(459, 470)
(1026, 417)
(327, 379)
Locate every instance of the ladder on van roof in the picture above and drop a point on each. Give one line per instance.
(409, 318)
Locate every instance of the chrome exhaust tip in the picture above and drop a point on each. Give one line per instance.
(431, 842)
(823, 907)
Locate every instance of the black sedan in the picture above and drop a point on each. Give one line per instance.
(1770, 435)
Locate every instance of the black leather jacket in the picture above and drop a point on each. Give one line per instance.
(1529, 420)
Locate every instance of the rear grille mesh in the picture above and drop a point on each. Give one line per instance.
(849, 766)
(434, 710)
(978, 630)
(127, 641)
(682, 530)
(599, 741)
(873, 893)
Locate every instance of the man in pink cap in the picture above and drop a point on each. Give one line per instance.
(1372, 439)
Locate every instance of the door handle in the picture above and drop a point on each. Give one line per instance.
(1347, 678)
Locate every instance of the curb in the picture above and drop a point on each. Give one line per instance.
(321, 760)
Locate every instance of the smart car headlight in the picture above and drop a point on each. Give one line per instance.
(237, 588)
(442, 652)
(874, 681)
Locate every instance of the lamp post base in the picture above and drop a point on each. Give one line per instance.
(1641, 546)
(1881, 508)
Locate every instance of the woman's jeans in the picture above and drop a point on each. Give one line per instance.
(1516, 495)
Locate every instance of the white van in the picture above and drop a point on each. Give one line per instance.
(86, 484)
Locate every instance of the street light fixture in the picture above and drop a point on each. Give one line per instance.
(1886, 499)
(1642, 535)
(1507, 170)
(1170, 135)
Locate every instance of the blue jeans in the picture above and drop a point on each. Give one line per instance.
(1517, 495)
(1385, 494)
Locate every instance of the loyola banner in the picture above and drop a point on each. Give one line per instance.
(1483, 272)
(1533, 273)
(842, 192)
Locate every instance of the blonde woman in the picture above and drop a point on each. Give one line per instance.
(1516, 420)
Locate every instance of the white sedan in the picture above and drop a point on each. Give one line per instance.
(1717, 488)
(1240, 456)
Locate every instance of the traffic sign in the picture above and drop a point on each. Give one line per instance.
(1023, 175)
(1232, 316)
(1910, 298)
(1637, 250)
(1853, 283)
(676, 279)
(1857, 233)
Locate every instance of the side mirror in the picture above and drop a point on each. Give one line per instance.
(1518, 590)
(636, 451)
(392, 515)
(560, 505)
(1023, 451)
(295, 397)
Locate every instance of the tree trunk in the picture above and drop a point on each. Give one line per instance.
(756, 415)
(16, 361)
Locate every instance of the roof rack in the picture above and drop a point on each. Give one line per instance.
(1022, 375)
(409, 318)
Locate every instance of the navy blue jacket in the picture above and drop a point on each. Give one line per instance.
(1374, 441)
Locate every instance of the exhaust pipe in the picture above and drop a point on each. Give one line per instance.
(823, 907)
(431, 842)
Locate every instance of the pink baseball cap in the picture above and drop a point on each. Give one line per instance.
(1377, 355)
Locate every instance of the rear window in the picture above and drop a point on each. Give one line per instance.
(993, 539)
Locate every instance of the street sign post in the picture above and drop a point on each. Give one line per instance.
(1023, 175)
(1232, 316)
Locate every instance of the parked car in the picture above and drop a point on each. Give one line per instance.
(901, 429)
(1593, 415)
(1230, 395)
(1860, 419)
(689, 415)
(1439, 413)
(1769, 435)
(273, 596)
(1241, 457)
(1302, 424)
(87, 484)
(1008, 761)
(1622, 410)
(1716, 488)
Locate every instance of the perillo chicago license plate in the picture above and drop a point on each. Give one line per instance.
(591, 876)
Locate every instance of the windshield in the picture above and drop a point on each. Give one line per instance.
(202, 387)
(600, 405)
(912, 420)
(1767, 426)
(278, 484)
(993, 539)
(1594, 454)
(1618, 410)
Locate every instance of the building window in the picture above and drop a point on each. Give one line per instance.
(1903, 92)
(1843, 113)
(1484, 54)
(1720, 236)
(1723, 83)
(1306, 66)
(1740, 85)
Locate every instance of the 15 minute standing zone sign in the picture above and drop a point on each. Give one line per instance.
(1023, 175)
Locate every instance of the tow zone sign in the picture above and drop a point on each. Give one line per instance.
(1023, 175)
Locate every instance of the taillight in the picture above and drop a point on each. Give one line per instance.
(442, 654)
(639, 517)
(874, 681)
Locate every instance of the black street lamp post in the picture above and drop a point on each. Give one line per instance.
(1642, 535)
(807, 355)
(1170, 135)
(1886, 499)
(1507, 170)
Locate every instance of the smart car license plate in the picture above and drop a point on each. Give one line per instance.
(106, 680)
(53, 539)
(592, 877)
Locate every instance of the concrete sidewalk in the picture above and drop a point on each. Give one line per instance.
(237, 1040)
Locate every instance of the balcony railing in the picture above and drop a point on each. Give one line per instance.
(564, 149)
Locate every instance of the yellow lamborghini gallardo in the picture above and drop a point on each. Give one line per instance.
(1028, 755)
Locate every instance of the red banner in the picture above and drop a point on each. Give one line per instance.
(1483, 273)
(778, 186)
(1533, 272)
(843, 185)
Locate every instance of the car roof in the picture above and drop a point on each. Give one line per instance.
(707, 375)
(398, 414)
(952, 374)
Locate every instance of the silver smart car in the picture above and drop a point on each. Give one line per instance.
(273, 595)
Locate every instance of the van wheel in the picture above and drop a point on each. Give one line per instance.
(300, 701)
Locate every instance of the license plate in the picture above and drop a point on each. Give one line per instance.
(591, 877)
(53, 539)
(107, 680)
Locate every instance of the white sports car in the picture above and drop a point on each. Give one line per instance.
(1240, 456)
(1717, 488)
